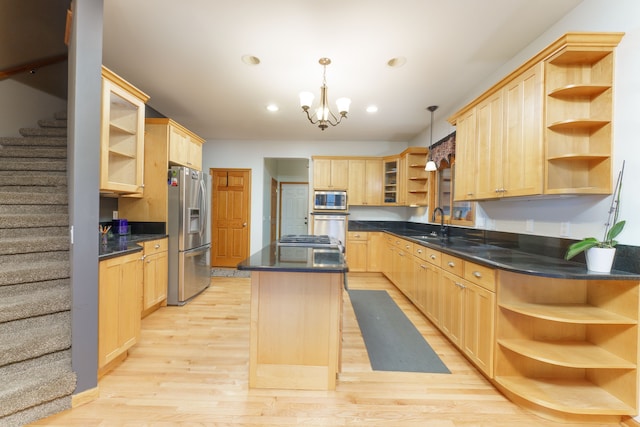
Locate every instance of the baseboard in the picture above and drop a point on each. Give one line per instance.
(84, 397)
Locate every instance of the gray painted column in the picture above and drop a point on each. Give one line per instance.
(85, 60)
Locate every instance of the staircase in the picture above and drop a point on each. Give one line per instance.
(36, 378)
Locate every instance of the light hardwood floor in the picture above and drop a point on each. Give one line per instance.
(191, 369)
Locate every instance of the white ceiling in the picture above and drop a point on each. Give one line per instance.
(187, 56)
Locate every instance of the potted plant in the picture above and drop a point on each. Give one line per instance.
(600, 253)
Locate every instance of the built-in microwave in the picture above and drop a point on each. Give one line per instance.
(330, 200)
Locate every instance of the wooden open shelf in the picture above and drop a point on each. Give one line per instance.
(569, 345)
(566, 395)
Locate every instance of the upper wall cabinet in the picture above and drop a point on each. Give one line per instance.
(330, 173)
(121, 136)
(515, 149)
(185, 147)
(365, 182)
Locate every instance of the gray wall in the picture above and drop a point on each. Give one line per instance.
(85, 60)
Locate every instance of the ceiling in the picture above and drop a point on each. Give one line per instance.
(187, 56)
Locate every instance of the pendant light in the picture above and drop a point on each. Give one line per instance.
(431, 165)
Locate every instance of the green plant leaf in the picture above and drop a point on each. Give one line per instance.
(581, 246)
(615, 230)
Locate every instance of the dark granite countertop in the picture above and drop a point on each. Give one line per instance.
(491, 250)
(296, 259)
(124, 245)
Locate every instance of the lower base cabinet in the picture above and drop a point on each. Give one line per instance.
(156, 275)
(119, 288)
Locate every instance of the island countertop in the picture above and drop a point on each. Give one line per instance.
(296, 259)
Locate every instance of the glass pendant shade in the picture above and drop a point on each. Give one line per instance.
(306, 99)
(431, 166)
(343, 105)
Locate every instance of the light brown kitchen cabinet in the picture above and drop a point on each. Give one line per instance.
(375, 251)
(185, 147)
(365, 182)
(153, 206)
(119, 289)
(156, 275)
(121, 136)
(357, 251)
(417, 179)
(568, 348)
(579, 80)
(330, 173)
(546, 127)
(393, 181)
(466, 163)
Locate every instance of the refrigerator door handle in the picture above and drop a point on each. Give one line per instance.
(203, 207)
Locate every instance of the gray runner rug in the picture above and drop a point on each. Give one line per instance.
(392, 342)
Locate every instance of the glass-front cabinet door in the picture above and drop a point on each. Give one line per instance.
(461, 213)
(122, 136)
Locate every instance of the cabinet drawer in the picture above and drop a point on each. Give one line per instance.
(154, 246)
(480, 275)
(452, 264)
(431, 256)
(406, 246)
(357, 235)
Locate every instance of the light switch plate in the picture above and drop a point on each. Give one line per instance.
(529, 226)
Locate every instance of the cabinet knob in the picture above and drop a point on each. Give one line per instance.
(460, 285)
(407, 246)
(419, 251)
(432, 256)
(477, 274)
(451, 264)
(157, 246)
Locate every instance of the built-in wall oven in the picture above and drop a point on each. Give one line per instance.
(332, 224)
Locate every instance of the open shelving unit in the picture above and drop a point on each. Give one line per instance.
(578, 104)
(568, 348)
(417, 177)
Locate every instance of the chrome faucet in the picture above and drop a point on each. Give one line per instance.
(444, 230)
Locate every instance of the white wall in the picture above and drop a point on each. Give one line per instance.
(251, 154)
(586, 215)
(24, 106)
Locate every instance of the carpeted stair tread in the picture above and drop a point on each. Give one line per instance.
(34, 231)
(53, 132)
(33, 209)
(33, 337)
(35, 243)
(51, 296)
(33, 164)
(51, 181)
(32, 141)
(33, 220)
(47, 123)
(38, 412)
(30, 152)
(17, 198)
(28, 272)
(39, 381)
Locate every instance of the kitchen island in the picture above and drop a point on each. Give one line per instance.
(296, 312)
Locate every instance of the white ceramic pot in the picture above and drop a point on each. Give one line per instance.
(600, 260)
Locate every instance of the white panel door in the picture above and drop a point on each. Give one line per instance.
(294, 215)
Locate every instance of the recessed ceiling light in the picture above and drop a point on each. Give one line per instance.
(372, 109)
(250, 59)
(397, 62)
(272, 107)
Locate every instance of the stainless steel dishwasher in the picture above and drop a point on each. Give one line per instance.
(331, 224)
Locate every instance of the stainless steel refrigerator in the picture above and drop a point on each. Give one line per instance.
(189, 234)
